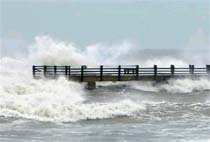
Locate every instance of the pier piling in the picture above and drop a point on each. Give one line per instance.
(91, 85)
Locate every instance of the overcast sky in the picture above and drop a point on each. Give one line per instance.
(151, 24)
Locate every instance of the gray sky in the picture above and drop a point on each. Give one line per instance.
(151, 24)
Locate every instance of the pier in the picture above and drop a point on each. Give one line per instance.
(118, 73)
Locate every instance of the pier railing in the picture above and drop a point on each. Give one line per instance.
(117, 73)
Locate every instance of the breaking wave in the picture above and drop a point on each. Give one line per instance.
(52, 100)
(59, 100)
(49, 51)
(66, 101)
(185, 85)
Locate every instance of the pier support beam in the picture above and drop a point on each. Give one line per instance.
(91, 85)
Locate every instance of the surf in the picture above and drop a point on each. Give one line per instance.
(67, 101)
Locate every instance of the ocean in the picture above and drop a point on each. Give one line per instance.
(64, 111)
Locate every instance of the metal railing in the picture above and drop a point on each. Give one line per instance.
(117, 71)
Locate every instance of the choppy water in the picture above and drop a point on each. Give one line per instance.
(112, 112)
(61, 110)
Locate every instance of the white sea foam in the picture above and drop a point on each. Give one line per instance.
(54, 100)
(61, 112)
(47, 50)
(143, 86)
(57, 101)
(65, 101)
(185, 85)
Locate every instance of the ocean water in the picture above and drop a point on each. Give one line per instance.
(60, 110)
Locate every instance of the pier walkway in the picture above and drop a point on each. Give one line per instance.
(118, 73)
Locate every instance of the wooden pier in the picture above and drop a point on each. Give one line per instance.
(118, 73)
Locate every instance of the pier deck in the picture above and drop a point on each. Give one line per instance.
(118, 73)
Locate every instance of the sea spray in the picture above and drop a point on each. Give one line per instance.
(58, 101)
(185, 85)
(50, 51)
(54, 100)
(181, 85)
(46, 50)
(66, 101)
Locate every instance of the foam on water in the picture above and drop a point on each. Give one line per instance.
(185, 85)
(53, 100)
(59, 100)
(66, 101)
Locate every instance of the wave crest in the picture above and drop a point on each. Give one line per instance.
(185, 85)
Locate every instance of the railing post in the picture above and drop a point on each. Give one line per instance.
(45, 70)
(82, 74)
(101, 73)
(191, 68)
(55, 71)
(208, 70)
(137, 72)
(155, 71)
(33, 71)
(69, 67)
(119, 72)
(172, 70)
(66, 71)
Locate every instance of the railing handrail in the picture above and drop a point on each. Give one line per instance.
(120, 70)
